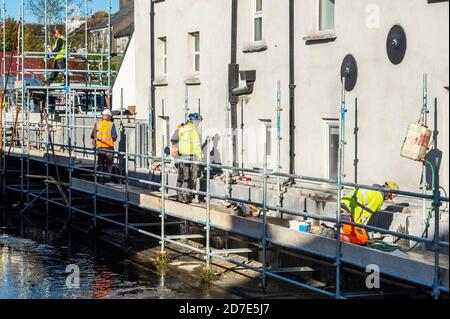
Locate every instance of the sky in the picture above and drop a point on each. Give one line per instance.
(13, 5)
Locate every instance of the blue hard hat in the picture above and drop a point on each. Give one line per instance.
(195, 117)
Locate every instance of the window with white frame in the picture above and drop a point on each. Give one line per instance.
(196, 50)
(326, 15)
(163, 44)
(332, 148)
(258, 20)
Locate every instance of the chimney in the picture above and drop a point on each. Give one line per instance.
(125, 3)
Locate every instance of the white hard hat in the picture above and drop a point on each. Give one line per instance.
(107, 112)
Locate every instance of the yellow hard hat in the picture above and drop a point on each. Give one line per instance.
(393, 186)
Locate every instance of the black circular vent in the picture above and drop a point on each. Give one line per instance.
(396, 44)
(349, 71)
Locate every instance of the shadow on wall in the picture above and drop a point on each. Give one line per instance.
(216, 157)
(433, 156)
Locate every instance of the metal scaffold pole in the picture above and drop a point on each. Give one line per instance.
(228, 145)
(95, 170)
(46, 39)
(2, 100)
(339, 186)
(109, 51)
(4, 41)
(86, 28)
(186, 104)
(163, 198)
(21, 58)
(278, 109)
(436, 207)
(208, 204)
(127, 194)
(69, 105)
(264, 211)
(424, 120)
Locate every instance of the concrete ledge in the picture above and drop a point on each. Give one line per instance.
(320, 38)
(193, 79)
(253, 47)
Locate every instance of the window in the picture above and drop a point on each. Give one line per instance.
(332, 144)
(257, 21)
(163, 43)
(196, 49)
(267, 135)
(166, 130)
(326, 15)
(269, 139)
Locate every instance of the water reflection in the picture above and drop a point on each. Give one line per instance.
(29, 269)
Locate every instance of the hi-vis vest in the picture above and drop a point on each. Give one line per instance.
(362, 204)
(189, 142)
(103, 134)
(62, 52)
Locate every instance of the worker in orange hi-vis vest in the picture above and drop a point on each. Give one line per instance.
(103, 138)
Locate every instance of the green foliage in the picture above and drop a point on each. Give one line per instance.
(34, 38)
(11, 34)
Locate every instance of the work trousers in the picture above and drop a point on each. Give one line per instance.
(187, 179)
(59, 65)
(105, 163)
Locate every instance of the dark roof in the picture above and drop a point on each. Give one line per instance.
(124, 32)
(100, 24)
(122, 22)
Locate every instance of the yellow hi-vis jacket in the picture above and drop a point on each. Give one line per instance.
(103, 134)
(62, 52)
(362, 204)
(190, 142)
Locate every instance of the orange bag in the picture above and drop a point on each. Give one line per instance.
(354, 235)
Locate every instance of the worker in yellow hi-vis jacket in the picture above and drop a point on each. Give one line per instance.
(358, 206)
(187, 145)
(60, 49)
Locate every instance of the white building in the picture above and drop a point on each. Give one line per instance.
(192, 51)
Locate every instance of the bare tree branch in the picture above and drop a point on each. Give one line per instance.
(56, 9)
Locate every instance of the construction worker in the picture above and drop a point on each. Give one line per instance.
(358, 206)
(103, 137)
(5, 104)
(60, 47)
(187, 145)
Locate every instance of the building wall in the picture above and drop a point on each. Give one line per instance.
(210, 94)
(389, 97)
(142, 61)
(126, 80)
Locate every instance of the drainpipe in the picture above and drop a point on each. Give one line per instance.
(291, 89)
(152, 117)
(233, 78)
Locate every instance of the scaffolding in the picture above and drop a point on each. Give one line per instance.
(24, 143)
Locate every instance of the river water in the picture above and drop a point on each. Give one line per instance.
(30, 268)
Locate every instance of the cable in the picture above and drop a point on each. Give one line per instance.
(430, 212)
(383, 246)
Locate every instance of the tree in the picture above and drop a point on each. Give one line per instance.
(11, 34)
(56, 9)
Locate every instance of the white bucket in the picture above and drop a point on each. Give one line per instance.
(416, 142)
